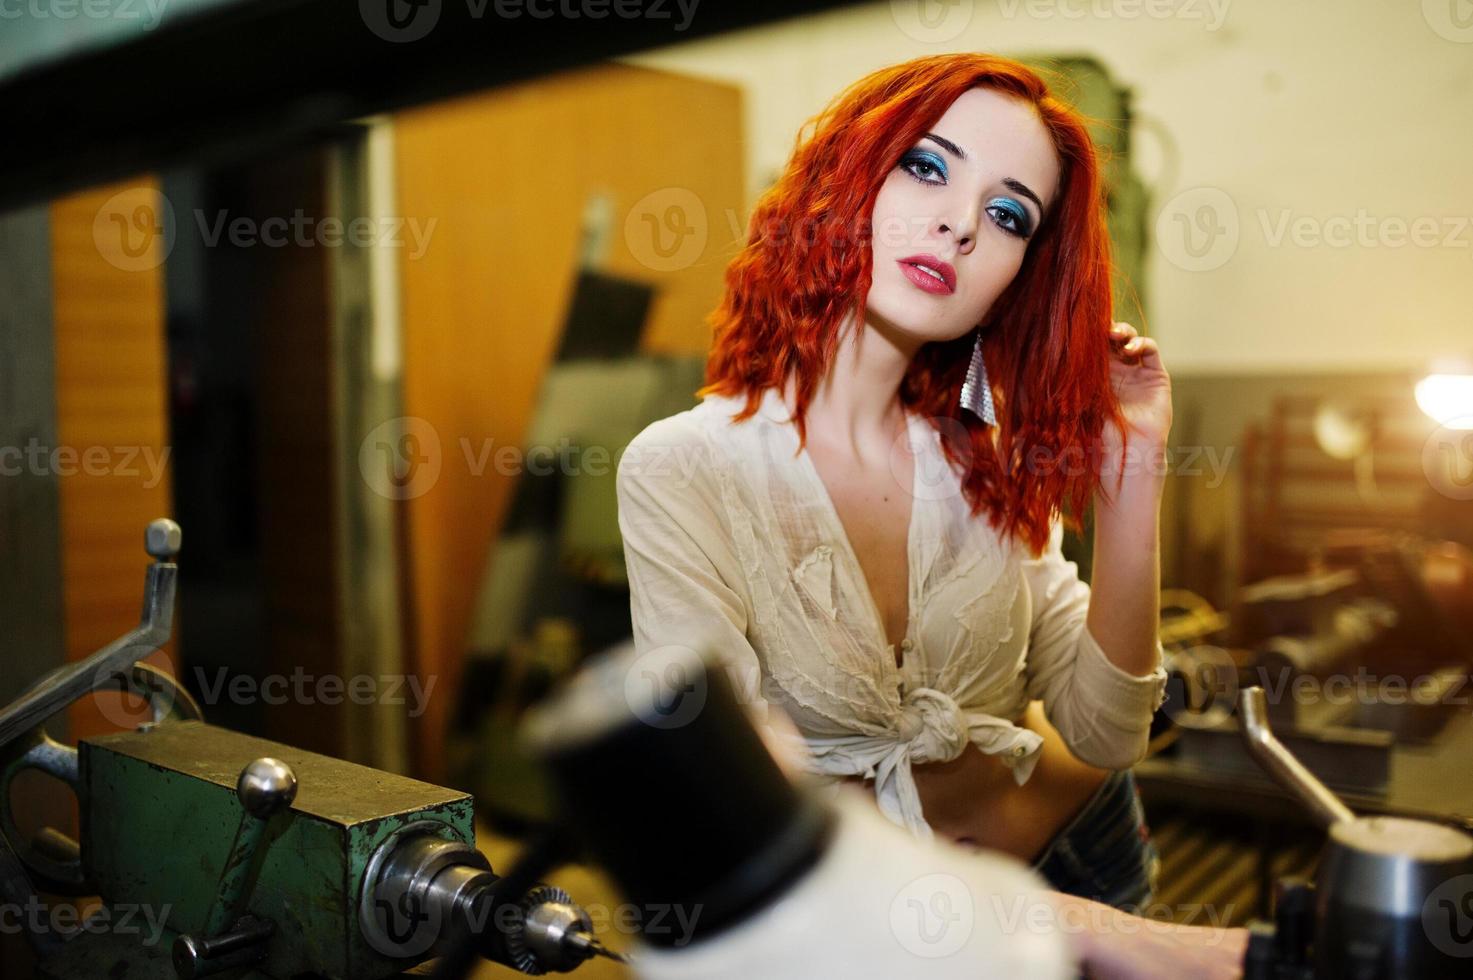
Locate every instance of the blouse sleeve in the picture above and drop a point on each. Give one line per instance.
(1102, 711)
(680, 561)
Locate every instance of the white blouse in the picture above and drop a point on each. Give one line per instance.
(732, 543)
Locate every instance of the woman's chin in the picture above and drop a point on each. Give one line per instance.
(914, 327)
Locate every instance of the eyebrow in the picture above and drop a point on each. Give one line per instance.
(1008, 182)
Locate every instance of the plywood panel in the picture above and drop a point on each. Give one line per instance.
(107, 253)
(505, 177)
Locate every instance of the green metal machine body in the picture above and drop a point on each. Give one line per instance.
(162, 815)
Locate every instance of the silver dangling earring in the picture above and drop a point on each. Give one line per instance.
(976, 392)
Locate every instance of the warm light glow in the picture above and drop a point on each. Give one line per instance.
(1447, 399)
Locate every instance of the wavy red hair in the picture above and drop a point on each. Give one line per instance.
(806, 264)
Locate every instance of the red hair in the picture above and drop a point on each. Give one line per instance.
(1047, 335)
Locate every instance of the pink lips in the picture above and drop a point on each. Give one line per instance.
(944, 286)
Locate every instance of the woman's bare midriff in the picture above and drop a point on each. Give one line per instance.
(975, 797)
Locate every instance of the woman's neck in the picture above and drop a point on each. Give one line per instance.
(856, 408)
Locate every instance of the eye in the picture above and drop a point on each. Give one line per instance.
(919, 165)
(1010, 217)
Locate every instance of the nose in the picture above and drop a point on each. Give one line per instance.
(963, 226)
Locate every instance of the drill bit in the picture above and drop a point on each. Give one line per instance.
(590, 946)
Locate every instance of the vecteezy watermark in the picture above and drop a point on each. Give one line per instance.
(666, 229)
(1447, 458)
(1363, 230)
(1452, 20)
(941, 21)
(1200, 229)
(933, 916)
(932, 21)
(150, 12)
(37, 459)
(305, 231)
(1201, 679)
(1034, 914)
(666, 687)
(669, 229)
(1283, 684)
(1447, 917)
(1211, 13)
(407, 927)
(136, 229)
(302, 688)
(402, 21)
(1134, 460)
(122, 919)
(650, 919)
(402, 458)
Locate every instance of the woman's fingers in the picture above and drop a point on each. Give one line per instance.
(1131, 348)
(1149, 355)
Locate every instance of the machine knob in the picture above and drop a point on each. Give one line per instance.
(162, 538)
(266, 787)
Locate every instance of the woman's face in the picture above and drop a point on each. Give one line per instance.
(964, 201)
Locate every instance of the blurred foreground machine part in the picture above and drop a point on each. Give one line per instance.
(258, 858)
(671, 789)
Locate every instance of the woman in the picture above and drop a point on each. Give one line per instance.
(914, 384)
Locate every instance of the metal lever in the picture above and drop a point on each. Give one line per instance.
(266, 787)
(242, 946)
(1279, 763)
(53, 860)
(59, 689)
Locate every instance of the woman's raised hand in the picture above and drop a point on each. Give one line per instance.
(1142, 385)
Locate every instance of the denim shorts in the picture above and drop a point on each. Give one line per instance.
(1105, 853)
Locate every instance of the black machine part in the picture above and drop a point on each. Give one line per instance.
(1390, 895)
(672, 791)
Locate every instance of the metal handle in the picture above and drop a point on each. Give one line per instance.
(24, 743)
(51, 857)
(1279, 763)
(246, 944)
(266, 787)
(231, 938)
(60, 688)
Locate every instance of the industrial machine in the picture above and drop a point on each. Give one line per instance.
(1392, 898)
(252, 856)
(1366, 680)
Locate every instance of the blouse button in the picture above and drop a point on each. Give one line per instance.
(1019, 751)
